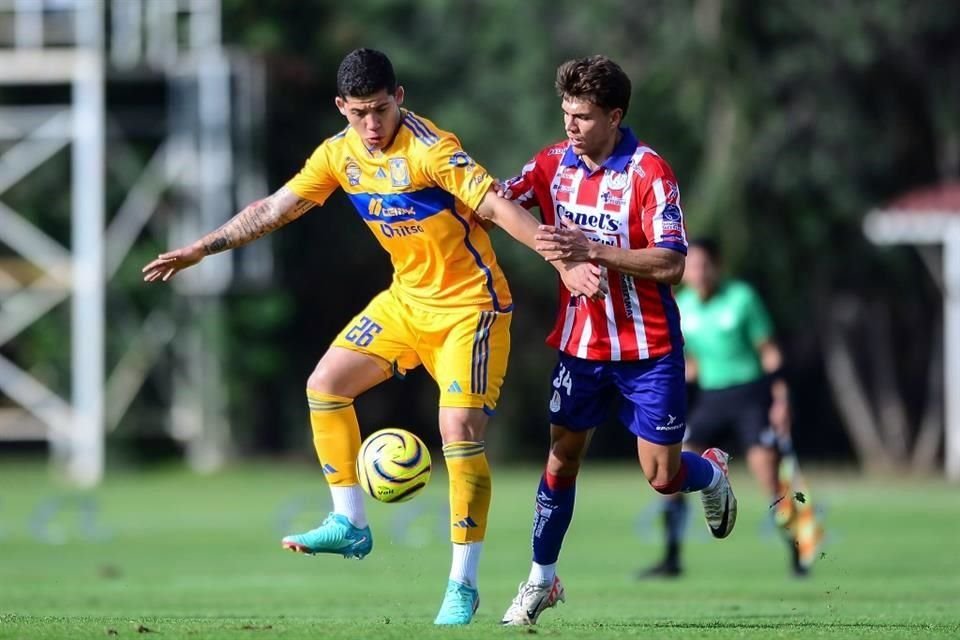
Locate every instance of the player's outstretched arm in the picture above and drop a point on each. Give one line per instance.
(580, 279)
(510, 217)
(568, 242)
(257, 219)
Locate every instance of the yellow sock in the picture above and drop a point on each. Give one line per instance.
(336, 436)
(470, 490)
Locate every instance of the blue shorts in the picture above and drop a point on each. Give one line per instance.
(652, 395)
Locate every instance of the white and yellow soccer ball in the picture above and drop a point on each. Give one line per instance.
(393, 465)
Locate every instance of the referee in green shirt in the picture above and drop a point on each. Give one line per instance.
(733, 359)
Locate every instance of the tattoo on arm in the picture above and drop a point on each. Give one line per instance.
(301, 207)
(257, 219)
(217, 245)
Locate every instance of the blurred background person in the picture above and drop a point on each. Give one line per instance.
(734, 361)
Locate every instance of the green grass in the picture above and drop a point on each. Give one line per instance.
(198, 557)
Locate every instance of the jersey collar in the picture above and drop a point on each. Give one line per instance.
(618, 159)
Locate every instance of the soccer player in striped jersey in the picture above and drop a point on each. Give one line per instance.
(448, 307)
(607, 199)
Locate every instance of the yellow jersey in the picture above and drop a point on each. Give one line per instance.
(418, 196)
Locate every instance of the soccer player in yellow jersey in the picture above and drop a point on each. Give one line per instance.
(448, 307)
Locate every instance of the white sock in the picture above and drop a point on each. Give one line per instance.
(717, 477)
(542, 573)
(466, 563)
(348, 501)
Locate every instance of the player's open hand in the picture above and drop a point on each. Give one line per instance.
(582, 279)
(166, 265)
(564, 242)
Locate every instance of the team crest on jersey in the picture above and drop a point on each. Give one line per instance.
(399, 172)
(617, 181)
(613, 198)
(352, 171)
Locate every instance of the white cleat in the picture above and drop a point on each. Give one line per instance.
(532, 600)
(719, 505)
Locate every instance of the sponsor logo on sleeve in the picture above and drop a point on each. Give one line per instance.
(461, 160)
(671, 191)
(671, 213)
(478, 179)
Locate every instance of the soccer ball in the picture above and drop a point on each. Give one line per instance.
(393, 465)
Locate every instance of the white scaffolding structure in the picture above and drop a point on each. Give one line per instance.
(931, 217)
(76, 49)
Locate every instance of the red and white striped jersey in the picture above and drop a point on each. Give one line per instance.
(631, 201)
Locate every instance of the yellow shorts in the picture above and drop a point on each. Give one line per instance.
(466, 352)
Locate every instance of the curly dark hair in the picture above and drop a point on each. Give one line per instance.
(363, 72)
(596, 79)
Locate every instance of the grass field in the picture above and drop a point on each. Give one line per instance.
(178, 555)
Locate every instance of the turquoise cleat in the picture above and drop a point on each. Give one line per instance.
(336, 535)
(460, 602)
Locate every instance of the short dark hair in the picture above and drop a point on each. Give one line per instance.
(709, 246)
(364, 72)
(596, 79)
